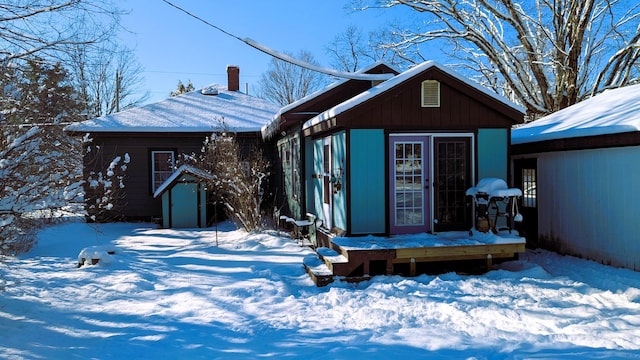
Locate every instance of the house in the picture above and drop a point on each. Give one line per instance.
(398, 157)
(579, 171)
(156, 135)
(285, 129)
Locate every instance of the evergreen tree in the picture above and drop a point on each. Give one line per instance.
(40, 165)
(40, 93)
(182, 88)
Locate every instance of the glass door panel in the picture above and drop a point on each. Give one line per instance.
(409, 212)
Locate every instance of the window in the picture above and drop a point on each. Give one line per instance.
(430, 93)
(162, 163)
(529, 188)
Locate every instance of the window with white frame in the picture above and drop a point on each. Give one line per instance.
(162, 165)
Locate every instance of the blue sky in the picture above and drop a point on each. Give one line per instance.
(172, 46)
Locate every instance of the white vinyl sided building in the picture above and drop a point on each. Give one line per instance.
(579, 169)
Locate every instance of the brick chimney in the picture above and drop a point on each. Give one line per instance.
(233, 78)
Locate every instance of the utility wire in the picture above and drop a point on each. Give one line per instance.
(284, 57)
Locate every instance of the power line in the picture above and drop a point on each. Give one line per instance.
(284, 57)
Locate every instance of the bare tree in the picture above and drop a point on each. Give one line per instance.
(543, 54)
(107, 76)
(46, 29)
(239, 172)
(284, 83)
(351, 50)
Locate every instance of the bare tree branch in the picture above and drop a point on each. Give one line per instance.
(543, 54)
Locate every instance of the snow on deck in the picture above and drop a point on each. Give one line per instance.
(450, 238)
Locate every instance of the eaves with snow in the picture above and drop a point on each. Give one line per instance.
(204, 110)
(272, 127)
(611, 112)
(397, 80)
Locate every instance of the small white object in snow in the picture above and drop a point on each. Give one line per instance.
(96, 254)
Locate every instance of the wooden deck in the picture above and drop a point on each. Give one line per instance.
(354, 259)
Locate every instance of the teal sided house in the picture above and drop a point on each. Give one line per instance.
(285, 130)
(397, 158)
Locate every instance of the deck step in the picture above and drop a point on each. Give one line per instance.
(332, 255)
(337, 263)
(319, 272)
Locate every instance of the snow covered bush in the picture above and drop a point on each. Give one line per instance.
(40, 178)
(240, 175)
(104, 188)
(40, 165)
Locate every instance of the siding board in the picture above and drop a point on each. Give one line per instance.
(367, 181)
(587, 206)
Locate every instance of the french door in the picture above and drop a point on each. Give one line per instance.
(452, 177)
(409, 184)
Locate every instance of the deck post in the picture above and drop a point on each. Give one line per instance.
(489, 262)
(412, 267)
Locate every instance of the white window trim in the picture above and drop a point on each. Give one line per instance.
(153, 166)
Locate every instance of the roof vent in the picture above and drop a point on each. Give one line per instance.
(209, 91)
(431, 93)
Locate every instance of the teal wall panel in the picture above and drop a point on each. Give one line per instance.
(308, 180)
(184, 207)
(338, 149)
(492, 153)
(367, 187)
(166, 220)
(289, 149)
(318, 153)
(202, 209)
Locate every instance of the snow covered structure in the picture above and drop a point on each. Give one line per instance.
(398, 158)
(286, 130)
(579, 169)
(156, 134)
(184, 198)
(395, 157)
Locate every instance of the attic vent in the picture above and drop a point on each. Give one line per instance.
(430, 93)
(210, 91)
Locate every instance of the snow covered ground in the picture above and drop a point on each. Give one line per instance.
(189, 294)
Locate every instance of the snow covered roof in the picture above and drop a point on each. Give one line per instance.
(196, 111)
(271, 127)
(397, 80)
(184, 169)
(613, 111)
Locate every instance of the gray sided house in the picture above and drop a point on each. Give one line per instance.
(397, 158)
(156, 135)
(579, 172)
